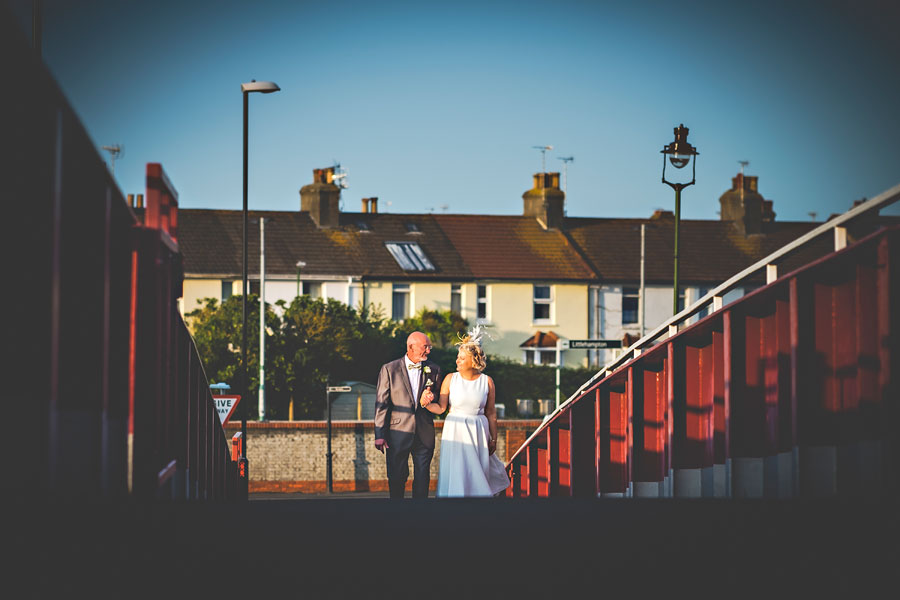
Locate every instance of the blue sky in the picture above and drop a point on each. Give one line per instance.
(437, 106)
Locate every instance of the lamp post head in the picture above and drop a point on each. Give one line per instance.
(263, 87)
(680, 151)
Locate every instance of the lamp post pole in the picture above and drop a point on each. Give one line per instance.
(263, 87)
(679, 153)
(300, 265)
(262, 319)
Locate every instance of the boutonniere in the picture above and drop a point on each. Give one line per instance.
(427, 369)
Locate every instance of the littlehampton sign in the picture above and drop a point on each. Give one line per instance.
(589, 344)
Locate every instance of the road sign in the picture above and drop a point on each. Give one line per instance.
(575, 344)
(340, 388)
(225, 406)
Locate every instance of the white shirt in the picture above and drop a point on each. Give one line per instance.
(414, 377)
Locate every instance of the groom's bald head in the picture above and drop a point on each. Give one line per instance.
(417, 346)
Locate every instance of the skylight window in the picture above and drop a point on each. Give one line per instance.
(362, 226)
(413, 228)
(409, 256)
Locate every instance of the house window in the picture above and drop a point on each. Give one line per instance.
(630, 301)
(312, 288)
(680, 299)
(705, 311)
(542, 303)
(482, 302)
(254, 286)
(456, 298)
(540, 356)
(227, 288)
(400, 301)
(409, 256)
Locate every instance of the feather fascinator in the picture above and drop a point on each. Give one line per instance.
(474, 336)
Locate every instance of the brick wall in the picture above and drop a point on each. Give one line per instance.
(289, 456)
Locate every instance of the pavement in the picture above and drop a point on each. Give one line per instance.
(318, 496)
(457, 548)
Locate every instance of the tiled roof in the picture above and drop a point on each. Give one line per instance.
(478, 247)
(513, 247)
(541, 340)
(709, 251)
(211, 243)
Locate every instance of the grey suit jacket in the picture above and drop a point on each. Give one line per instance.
(398, 418)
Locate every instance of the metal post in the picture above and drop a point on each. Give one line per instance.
(262, 319)
(36, 26)
(244, 379)
(328, 480)
(677, 221)
(558, 360)
(643, 305)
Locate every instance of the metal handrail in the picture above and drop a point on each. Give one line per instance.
(882, 200)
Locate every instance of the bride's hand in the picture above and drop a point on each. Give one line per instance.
(427, 397)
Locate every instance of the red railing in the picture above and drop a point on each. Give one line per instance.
(790, 390)
(107, 398)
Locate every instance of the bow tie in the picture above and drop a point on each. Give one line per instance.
(414, 366)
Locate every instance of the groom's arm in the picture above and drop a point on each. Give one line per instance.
(382, 401)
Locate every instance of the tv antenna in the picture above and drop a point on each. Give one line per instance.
(566, 160)
(444, 207)
(543, 150)
(339, 176)
(114, 152)
(812, 215)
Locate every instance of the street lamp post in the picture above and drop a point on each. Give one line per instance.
(679, 153)
(300, 265)
(263, 87)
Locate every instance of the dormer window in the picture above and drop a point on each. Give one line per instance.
(409, 256)
(413, 228)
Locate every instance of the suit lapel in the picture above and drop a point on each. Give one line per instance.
(404, 373)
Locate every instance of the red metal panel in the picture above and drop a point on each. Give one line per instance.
(867, 380)
(697, 436)
(650, 399)
(564, 440)
(583, 446)
(720, 407)
(785, 429)
(617, 467)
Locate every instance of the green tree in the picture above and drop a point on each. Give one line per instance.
(217, 334)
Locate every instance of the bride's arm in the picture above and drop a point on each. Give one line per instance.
(490, 411)
(440, 406)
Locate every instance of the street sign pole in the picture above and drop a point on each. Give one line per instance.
(559, 345)
(328, 453)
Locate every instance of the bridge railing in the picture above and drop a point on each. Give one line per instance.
(789, 390)
(107, 397)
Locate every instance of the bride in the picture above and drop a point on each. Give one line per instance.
(468, 462)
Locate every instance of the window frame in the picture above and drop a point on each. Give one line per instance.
(548, 302)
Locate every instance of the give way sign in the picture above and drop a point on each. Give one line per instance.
(225, 406)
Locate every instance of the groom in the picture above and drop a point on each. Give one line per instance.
(402, 426)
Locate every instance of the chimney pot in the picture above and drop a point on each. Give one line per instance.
(131, 200)
(365, 205)
(374, 204)
(140, 201)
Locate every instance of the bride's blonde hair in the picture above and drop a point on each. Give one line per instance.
(471, 343)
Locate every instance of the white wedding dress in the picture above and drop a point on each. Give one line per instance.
(466, 466)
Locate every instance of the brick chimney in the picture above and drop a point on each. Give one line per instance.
(745, 207)
(321, 199)
(545, 201)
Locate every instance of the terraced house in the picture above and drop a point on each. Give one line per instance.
(533, 278)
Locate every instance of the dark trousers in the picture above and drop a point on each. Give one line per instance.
(398, 469)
